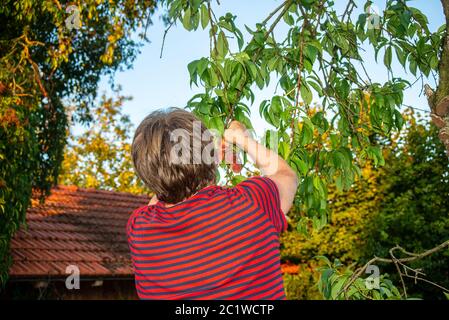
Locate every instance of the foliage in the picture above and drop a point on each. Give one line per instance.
(43, 66)
(101, 156)
(328, 119)
(404, 202)
(302, 286)
(334, 276)
(315, 58)
(413, 213)
(344, 236)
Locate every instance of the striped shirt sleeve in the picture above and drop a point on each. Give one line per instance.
(265, 194)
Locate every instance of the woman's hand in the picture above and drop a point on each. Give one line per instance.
(236, 133)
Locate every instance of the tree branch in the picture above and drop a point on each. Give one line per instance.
(396, 261)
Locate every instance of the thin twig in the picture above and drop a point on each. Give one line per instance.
(274, 12)
(163, 38)
(412, 257)
(414, 108)
(428, 281)
(273, 25)
(396, 264)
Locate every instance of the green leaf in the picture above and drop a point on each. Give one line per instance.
(388, 57)
(325, 282)
(217, 123)
(222, 45)
(284, 149)
(325, 259)
(375, 153)
(334, 140)
(272, 119)
(213, 78)
(202, 66)
(236, 179)
(361, 22)
(192, 67)
(400, 55)
(276, 106)
(306, 94)
(302, 166)
(311, 53)
(204, 16)
(336, 288)
(421, 18)
(196, 20)
(342, 43)
(433, 62)
(288, 19)
(398, 119)
(307, 2)
(186, 19)
(272, 63)
(262, 108)
(306, 135)
(413, 66)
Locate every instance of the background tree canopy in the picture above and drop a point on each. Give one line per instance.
(330, 120)
(101, 157)
(44, 67)
(404, 202)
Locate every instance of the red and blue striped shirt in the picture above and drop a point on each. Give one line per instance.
(221, 243)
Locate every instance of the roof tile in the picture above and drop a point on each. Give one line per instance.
(82, 227)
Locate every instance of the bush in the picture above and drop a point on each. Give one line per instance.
(302, 286)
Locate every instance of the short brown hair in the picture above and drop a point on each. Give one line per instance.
(152, 156)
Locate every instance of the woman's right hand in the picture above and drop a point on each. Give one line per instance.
(236, 133)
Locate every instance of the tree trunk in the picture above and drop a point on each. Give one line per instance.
(439, 101)
(443, 67)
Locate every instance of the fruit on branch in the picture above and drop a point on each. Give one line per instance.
(236, 167)
(230, 157)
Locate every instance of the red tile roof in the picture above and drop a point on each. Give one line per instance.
(82, 227)
(75, 226)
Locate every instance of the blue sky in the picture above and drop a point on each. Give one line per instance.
(156, 82)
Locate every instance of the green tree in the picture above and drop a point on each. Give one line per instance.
(101, 156)
(47, 62)
(315, 58)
